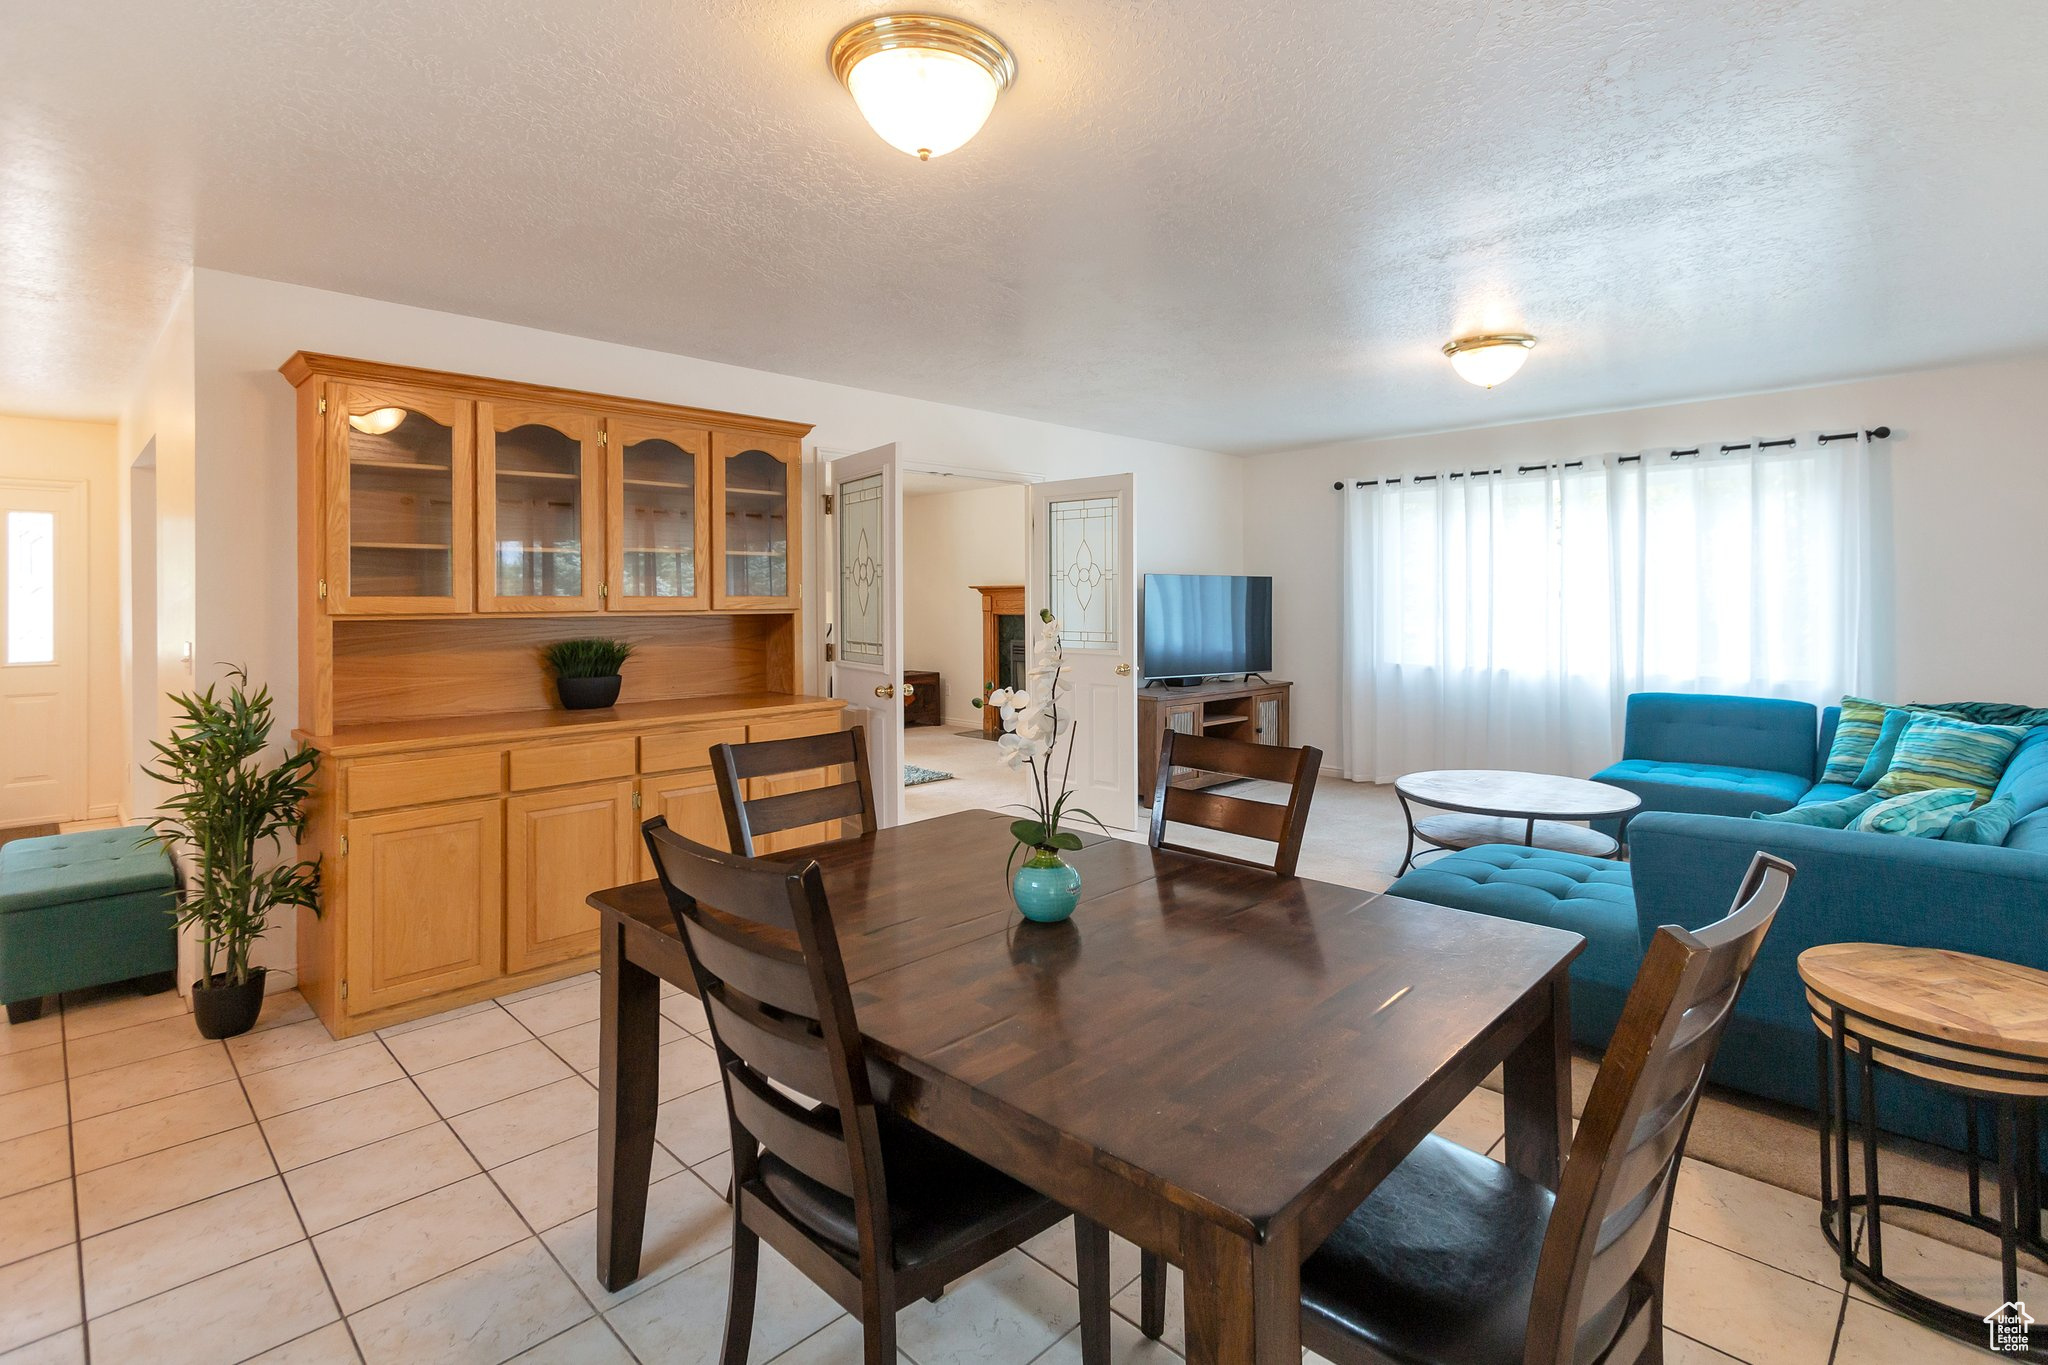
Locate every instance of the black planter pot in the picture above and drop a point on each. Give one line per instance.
(223, 1011)
(587, 694)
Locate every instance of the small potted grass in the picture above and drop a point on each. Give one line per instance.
(587, 671)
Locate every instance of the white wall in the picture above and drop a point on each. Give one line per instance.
(1188, 514)
(951, 542)
(1964, 476)
(43, 449)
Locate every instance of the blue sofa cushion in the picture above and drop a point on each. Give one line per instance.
(2026, 776)
(1706, 788)
(1838, 814)
(63, 869)
(1764, 733)
(1990, 823)
(2030, 833)
(1589, 896)
(1829, 791)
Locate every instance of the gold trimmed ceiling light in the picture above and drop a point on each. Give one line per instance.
(925, 83)
(1490, 359)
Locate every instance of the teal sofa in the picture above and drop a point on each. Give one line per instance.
(86, 909)
(1684, 866)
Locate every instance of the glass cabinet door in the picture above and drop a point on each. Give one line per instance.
(758, 541)
(399, 488)
(660, 505)
(539, 509)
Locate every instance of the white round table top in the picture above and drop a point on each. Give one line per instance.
(1529, 796)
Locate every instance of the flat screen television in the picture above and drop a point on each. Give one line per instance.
(1201, 624)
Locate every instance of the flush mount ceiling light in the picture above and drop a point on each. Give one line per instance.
(377, 421)
(1487, 360)
(923, 82)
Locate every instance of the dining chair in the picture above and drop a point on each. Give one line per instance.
(1456, 1258)
(1276, 823)
(876, 1211)
(748, 819)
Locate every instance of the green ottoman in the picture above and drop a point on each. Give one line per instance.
(84, 910)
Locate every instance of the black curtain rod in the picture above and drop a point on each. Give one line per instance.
(1874, 433)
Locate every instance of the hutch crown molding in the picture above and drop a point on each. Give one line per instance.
(450, 527)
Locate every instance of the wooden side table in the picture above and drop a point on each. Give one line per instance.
(1972, 1026)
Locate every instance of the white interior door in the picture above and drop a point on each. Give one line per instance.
(42, 652)
(1081, 567)
(867, 660)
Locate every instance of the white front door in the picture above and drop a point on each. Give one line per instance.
(867, 658)
(1081, 568)
(42, 652)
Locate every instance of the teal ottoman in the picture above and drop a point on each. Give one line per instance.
(84, 910)
(1592, 897)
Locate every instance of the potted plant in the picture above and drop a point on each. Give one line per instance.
(587, 671)
(1045, 888)
(226, 802)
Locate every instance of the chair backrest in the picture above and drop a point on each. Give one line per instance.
(767, 965)
(1603, 1257)
(1279, 824)
(747, 820)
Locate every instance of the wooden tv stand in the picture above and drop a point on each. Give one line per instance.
(1253, 711)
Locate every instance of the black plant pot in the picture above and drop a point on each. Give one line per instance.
(223, 1011)
(587, 694)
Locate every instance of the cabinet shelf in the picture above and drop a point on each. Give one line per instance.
(735, 490)
(659, 483)
(504, 473)
(398, 466)
(399, 545)
(1212, 722)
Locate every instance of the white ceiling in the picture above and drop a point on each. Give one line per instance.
(1232, 226)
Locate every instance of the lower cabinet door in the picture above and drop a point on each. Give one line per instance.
(796, 782)
(425, 901)
(689, 802)
(559, 847)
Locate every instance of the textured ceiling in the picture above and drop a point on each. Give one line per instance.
(1227, 225)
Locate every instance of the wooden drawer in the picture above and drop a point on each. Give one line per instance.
(675, 750)
(383, 783)
(559, 765)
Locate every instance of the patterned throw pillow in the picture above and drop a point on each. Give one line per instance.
(1855, 736)
(1988, 824)
(1881, 754)
(1920, 814)
(1940, 751)
(1825, 814)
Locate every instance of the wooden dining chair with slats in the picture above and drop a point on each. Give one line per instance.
(748, 819)
(1457, 1259)
(1280, 824)
(876, 1211)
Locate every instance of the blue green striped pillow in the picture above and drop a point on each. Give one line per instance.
(1940, 751)
(1855, 736)
(1917, 814)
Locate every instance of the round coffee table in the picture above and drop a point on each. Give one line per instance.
(1974, 1027)
(1486, 807)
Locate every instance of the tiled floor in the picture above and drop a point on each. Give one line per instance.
(427, 1194)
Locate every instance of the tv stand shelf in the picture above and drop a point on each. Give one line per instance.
(1253, 711)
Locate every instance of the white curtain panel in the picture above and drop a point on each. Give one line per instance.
(1501, 620)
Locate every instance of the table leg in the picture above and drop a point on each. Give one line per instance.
(1243, 1298)
(1538, 1092)
(1408, 858)
(629, 1060)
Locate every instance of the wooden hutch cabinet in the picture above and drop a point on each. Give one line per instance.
(450, 527)
(1255, 712)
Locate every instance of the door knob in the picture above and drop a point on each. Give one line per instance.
(886, 691)
(1123, 670)
(909, 691)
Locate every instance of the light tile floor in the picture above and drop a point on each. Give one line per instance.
(427, 1194)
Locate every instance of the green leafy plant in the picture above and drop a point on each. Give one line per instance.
(587, 658)
(226, 802)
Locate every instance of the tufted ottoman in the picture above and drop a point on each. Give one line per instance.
(83, 910)
(1589, 896)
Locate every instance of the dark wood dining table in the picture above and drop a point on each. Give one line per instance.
(1217, 1063)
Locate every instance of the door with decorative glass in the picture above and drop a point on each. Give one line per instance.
(867, 657)
(400, 485)
(540, 509)
(1081, 569)
(657, 539)
(42, 652)
(755, 485)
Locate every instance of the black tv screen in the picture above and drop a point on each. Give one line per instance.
(1198, 624)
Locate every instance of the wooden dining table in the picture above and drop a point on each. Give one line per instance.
(1217, 1063)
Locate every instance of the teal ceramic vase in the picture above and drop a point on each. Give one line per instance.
(1046, 889)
